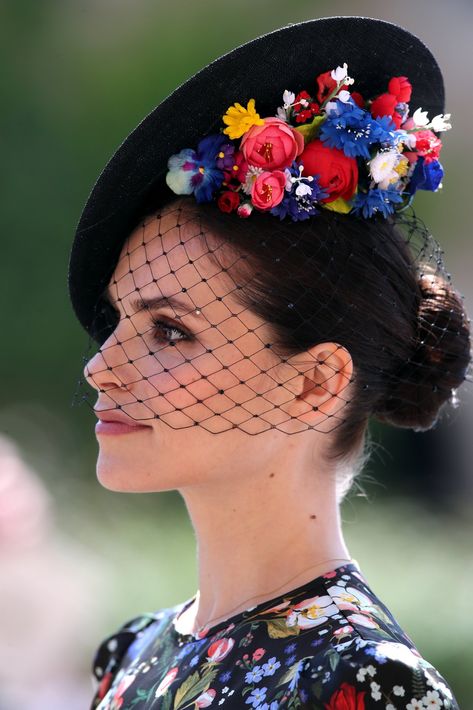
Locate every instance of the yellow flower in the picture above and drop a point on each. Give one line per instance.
(240, 119)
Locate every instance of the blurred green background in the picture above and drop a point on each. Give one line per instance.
(80, 76)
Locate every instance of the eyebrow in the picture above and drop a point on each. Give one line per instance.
(140, 304)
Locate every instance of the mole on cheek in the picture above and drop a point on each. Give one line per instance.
(271, 475)
(313, 516)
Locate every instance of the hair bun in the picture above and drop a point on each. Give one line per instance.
(439, 363)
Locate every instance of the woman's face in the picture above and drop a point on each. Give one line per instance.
(184, 351)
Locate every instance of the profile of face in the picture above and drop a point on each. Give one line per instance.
(195, 368)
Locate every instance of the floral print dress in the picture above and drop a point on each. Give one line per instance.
(329, 644)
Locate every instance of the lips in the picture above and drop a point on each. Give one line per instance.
(116, 422)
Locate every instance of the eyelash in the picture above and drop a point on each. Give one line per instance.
(165, 325)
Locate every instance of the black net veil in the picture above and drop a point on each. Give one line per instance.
(216, 321)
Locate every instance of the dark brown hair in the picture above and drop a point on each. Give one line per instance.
(355, 282)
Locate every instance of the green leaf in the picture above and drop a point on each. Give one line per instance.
(193, 686)
(310, 131)
(338, 205)
(278, 629)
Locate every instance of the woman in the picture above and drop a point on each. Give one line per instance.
(258, 291)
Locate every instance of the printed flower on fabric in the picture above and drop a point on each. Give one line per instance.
(122, 687)
(347, 697)
(197, 171)
(312, 612)
(351, 599)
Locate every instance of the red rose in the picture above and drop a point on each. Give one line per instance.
(338, 172)
(228, 201)
(401, 87)
(326, 85)
(428, 145)
(384, 105)
(346, 698)
(272, 146)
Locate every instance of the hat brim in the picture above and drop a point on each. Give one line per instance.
(288, 58)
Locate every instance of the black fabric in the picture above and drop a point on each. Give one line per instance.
(288, 58)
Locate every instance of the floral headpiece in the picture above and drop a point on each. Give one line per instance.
(328, 147)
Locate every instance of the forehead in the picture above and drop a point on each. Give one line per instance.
(168, 254)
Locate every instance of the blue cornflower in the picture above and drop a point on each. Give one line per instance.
(300, 196)
(290, 648)
(353, 130)
(255, 675)
(225, 677)
(257, 696)
(274, 706)
(291, 659)
(197, 171)
(270, 667)
(375, 200)
(426, 176)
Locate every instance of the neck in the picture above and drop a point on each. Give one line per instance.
(260, 535)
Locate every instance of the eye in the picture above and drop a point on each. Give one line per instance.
(169, 330)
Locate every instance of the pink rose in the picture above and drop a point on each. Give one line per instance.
(206, 698)
(166, 681)
(245, 209)
(268, 189)
(272, 146)
(259, 653)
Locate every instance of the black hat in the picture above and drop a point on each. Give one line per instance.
(287, 58)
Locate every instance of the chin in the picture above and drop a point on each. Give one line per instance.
(128, 475)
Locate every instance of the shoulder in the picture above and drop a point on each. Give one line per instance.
(370, 674)
(112, 650)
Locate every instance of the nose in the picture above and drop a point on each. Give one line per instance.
(107, 368)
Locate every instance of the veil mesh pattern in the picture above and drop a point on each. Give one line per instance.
(202, 355)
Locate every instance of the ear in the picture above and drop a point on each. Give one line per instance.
(320, 386)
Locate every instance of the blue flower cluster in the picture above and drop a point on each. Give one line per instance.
(375, 200)
(352, 129)
(300, 206)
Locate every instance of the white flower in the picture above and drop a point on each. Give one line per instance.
(282, 114)
(441, 122)
(375, 694)
(390, 706)
(420, 117)
(382, 168)
(288, 97)
(250, 177)
(344, 96)
(340, 75)
(432, 700)
(371, 670)
(398, 690)
(303, 189)
(332, 107)
(415, 705)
